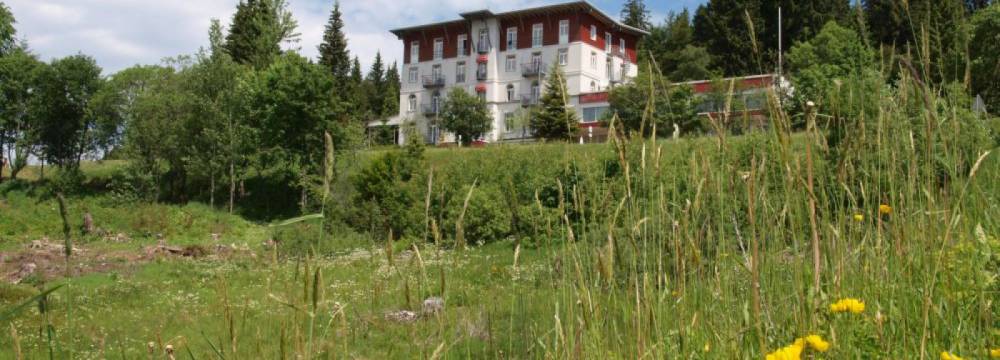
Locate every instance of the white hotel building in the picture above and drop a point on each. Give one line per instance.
(504, 57)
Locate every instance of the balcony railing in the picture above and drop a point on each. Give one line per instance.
(529, 100)
(432, 108)
(483, 47)
(433, 81)
(617, 51)
(532, 69)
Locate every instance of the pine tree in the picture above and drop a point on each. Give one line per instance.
(554, 119)
(903, 25)
(357, 92)
(721, 26)
(333, 53)
(257, 31)
(377, 87)
(635, 14)
(390, 105)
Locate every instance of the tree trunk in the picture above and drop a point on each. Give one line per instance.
(42, 172)
(232, 185)
(211, 191)
(2, 163)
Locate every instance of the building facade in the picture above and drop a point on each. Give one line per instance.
(504, 59)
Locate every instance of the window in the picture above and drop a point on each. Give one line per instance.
(609, 68)
(535, 90)
(414, 52)
(593, 32)
(563, 57)
(508, 121)
(436, 72)
(536, 59)
(511, 65)
(511, 38)
(481, 96)
(593, 114)
(463, 48)
(510, 92)
(436, 101)
(563, 32)
(481, 71)
(484, 40)
(413, 103)
(460, 72)
(593, 60)
(414, 74)
(621, 46)
(593, 86)
(607, 42)
(536, 35)
(438, 48)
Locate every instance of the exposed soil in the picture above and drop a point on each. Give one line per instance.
(46, 260)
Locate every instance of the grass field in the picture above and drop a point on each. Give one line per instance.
(704, 248)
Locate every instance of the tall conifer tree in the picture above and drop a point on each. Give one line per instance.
(333, 53)
(635, 14)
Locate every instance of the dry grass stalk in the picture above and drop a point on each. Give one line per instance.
(459, 230)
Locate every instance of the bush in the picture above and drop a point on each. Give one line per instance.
(487, 219)
(388, 191)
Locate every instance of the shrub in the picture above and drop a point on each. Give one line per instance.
(388, 190)
(487, 219)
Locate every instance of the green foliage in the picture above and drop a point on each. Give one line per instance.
(983, 51)
(651, 102)
(932, 34)
(17, 70)
(487, 219)
(836, 58)
(465, 115)
(333, 53)
(635, 14)
(59, 108)
(8, 34)
(257, 30)
(554, 119)
(672, 48)
(386, 189)
(293, 103)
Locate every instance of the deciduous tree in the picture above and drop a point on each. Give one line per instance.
(465, 115)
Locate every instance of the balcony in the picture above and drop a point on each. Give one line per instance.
(532, 69)
(529, 100)
(433, 108)
(483, 47)
(618, 77)
(617, 51)
(433, 81)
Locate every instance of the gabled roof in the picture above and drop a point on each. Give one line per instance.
(579, 5)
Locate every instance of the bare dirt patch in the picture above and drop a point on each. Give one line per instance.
(46, 260)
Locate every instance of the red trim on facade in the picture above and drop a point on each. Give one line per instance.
(591, 98)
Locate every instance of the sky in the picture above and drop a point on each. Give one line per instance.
(123, 33)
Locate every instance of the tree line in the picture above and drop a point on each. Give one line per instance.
(242, 116)
(949, 43)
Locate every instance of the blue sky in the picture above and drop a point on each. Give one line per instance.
(122, 33)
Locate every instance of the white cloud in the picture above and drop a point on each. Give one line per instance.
(121, 33)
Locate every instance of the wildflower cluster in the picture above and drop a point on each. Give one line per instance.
(995, 353)
(949, 356)
(794, 351)
(885, 209)
(849, 304)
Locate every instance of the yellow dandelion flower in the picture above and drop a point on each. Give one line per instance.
(817, 343)
(849, 304)
(708, 347)
(884, 209)
(859, 217)
(949, 356)
(790, 352)
(995, 353)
